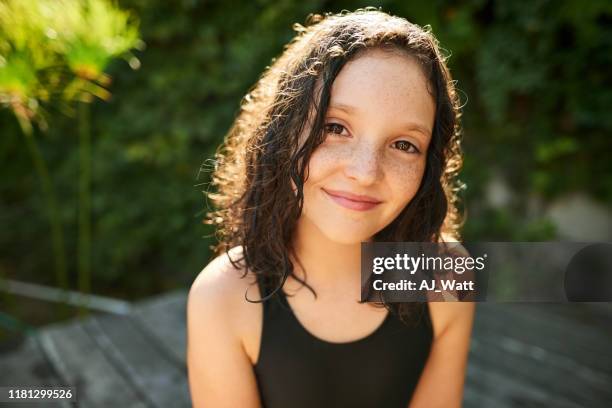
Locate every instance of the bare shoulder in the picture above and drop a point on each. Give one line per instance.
(224, 283)
(216, 300)
(451, 316)
(221, 280)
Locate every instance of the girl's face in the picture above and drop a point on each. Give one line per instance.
(378, 128)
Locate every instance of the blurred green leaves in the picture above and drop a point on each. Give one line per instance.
(94, 32)
(57, 51)
(28, 50)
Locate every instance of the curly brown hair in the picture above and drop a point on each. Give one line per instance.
(256, 206)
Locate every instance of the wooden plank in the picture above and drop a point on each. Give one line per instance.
(558, 316)
(573, 364)
(474, 397)
(508, 391)
(549, 365)
(138, 357)
(596, 315)
(165, 318)
(541, 377)
(586, 346)
(79, 360)
(535, 354)
(25, 365)
(595, 326)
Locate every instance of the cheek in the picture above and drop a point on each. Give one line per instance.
(404, 180)
(324, 161)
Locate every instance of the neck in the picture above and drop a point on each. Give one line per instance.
(330, 266)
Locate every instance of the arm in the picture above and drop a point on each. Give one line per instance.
(220, 372)
(441, 383)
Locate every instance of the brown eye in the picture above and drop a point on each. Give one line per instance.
(334, 128)
(406, 146)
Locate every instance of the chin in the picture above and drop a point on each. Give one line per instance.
(347, 236)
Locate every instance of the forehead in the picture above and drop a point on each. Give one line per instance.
(384, 84)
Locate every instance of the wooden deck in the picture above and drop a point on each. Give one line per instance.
(546, 355)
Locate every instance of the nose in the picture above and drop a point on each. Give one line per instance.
(363, 164)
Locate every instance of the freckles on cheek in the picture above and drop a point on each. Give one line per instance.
(323, 160)
(406, 177)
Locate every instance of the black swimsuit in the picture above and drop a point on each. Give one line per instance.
(296, 369)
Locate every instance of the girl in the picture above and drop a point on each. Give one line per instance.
(350, 136)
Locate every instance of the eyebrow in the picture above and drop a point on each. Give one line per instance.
(407, 126)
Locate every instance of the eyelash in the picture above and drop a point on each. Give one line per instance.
(330, 124)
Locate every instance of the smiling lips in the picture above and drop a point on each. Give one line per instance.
(352, 201)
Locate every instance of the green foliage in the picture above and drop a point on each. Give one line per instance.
(27, 51)
(42, 40)
(533, 75)
(94, 34)
(504, 225)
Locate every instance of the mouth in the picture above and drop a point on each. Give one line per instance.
(352, 201)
